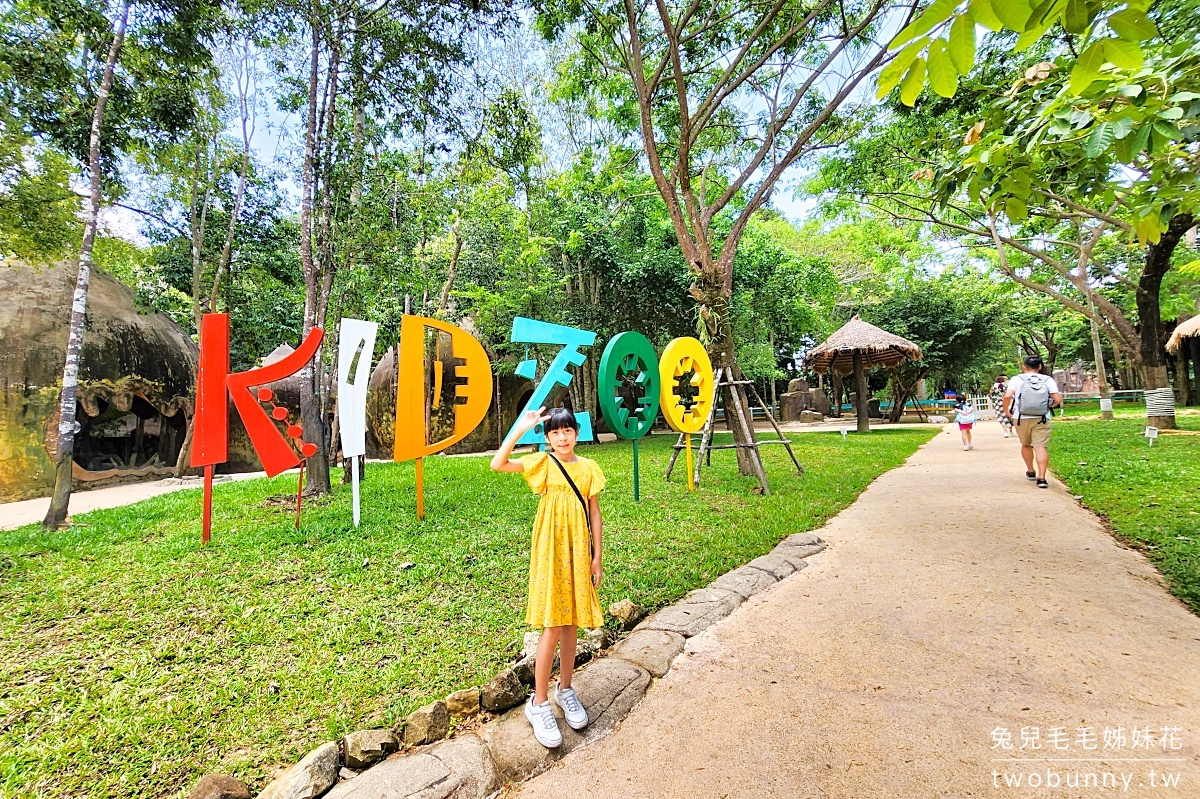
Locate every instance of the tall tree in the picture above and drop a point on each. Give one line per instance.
(392, 63)
(1077, 183)
(728, 95)
(153, 55)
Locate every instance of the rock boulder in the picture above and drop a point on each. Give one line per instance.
(309, 778)
(460, 768)
(429, 724)
(627, 613)
(214, 786)
(461, 704)
(502, 692)
(365, 747)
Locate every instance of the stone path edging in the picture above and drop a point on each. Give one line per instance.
(477, 763)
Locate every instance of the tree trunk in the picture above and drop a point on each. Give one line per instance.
(310, 407)
(1183, 381)
(196, 228)
(223, 265)
(1153, 354)
(245, 107)
(185, 451)
(1052, 351)
(448, 286)
(774, 403)
(715, 312)
(57, 514)
(902, 392)
(860, 383)
(1101, 377)
(318, 480)
(837, 391)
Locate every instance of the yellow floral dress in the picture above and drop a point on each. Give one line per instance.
(560, 561)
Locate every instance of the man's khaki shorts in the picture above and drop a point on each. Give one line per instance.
(1033, 432)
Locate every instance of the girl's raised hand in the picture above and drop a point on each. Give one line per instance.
(531, 419)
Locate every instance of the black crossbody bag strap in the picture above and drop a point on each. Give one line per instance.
(586, 514)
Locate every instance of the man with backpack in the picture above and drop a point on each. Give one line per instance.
(1027, 401)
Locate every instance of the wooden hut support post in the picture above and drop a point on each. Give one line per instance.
(860, 385)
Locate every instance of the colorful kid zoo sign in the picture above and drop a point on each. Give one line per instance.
(634, 384)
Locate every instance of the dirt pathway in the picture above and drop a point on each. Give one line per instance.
(31, 511)
(956, 603)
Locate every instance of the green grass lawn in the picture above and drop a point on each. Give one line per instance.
(133, 660)
(1091, 408)
(1151, 495)
(1129, 410)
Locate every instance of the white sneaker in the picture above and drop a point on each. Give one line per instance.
(573, 712)
(545, 726)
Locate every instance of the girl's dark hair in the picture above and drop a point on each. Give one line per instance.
(559, 417)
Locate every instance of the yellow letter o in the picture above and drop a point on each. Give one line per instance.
(686, 384)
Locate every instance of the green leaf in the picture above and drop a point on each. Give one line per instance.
(1013, 13)
(936, 14)
(1122, 53)
(962, 44)
(1081, 118)
(1172, 113)
(1060, 127)
(1017, 184)
(890, 75)
(1122, 127)
(1029, 37)
(1087, 68)
(1046, 13)
(1124, 149)
(943, 78)
(1147, 229)
(1102, 136)
(1022, 182)
(1129, 90)
(910, 87)
(1076, 17)
(1166, 130)
(1132, 25)
(1190, 269)
(981, 12)
(1140, 141)
(1015, 209)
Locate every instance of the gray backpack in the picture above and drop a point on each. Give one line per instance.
(1035, 397)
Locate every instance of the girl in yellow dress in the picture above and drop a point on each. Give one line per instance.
(564, 563)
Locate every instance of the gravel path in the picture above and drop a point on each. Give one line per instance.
(955, 602)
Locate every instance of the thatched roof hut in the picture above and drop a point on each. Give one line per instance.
(856, 347)
(1188, 329)
(878, 348)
